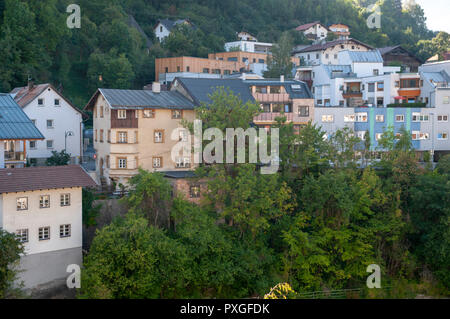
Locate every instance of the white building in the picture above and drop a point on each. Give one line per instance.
(249, 46)
(59, 121)
(43, 207)
(164, 27)
(314, 31)
(434, 75)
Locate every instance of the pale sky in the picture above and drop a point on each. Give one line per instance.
(437, 13)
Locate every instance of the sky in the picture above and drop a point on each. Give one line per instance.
(437, 13)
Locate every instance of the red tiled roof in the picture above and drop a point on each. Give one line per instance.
(45, 177)
(304, 27)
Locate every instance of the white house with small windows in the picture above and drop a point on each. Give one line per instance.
(43, 207)
(56, 117)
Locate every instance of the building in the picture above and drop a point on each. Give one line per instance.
(43, 207)
(314, 31)
(246, 36)
(56, 117)
(249, 46)
(134, 128)
(327, 53)
(434, 76)
(16, 131)
(341, 31)
(398, 56)
(164, 27)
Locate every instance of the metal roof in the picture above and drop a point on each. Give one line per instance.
(338, 71)
(368, 56)
(200, 89)
(436, 77)
(14, 123)
(145, 98)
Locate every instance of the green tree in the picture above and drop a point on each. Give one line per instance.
(58, 158)
(10, 251)
(279, 63)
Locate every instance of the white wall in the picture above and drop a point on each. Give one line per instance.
(65, 118)
(247, 46)
(161, 34)
(35, 217)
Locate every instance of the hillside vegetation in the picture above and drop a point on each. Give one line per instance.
(106, 52)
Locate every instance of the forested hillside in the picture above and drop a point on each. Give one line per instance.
(107, 52)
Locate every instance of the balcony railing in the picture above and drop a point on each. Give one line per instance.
(270, 117)
(14, 156)
(272, 97)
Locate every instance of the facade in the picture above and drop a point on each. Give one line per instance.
(342, 31)
(314, 31)
(164, 27)
(134, 128)
(398, 56)
(249, 46)
(54, 115)
(327, 53)
(16, 130)
(43, 207)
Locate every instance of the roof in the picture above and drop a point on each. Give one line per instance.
(178, 174)
(436, 77)
(136, 99)
(43, 177)
(24, 96)
(368, 56)
(326, 45)
(338, 71)
(200, 89)
(295, 89)
(386, 50)
(304, 27)
(14, 123)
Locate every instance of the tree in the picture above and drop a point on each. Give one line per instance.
(10, 251)
(58, 159)
(279, 63)
(443, 166)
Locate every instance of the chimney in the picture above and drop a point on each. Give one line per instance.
(30, 84)
(156, 87)
(281, 78)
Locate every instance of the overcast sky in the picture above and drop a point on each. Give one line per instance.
(437, 13)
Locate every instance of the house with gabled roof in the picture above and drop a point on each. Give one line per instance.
(164, 27)
(314, 31)
(399, 56)
(56, 117)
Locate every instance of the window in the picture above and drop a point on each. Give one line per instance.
(260, 60)
(95, 135)
(33, 121)
(122, 162)
(101, 110)
(376, 72)
(327, 56)
(122, 137)
(341, 102)
(378, 136)
(205, 70)
(379, 118)
(416, 135)
(49, 123)
(399, 118)
(157, 162)
(275, 89)
(184, 136)
(158, 136)
(397, 84)
(265, 107)
(22, 235)
(442, 118)
(22, 203)
(160, 29)
(194, 191)
(327, 118)
(64, 230)
(380, 86)
(319, 102)
(371, 87)
(32, 145)
(149, 114)
(303, 111)
(361, 135)
(101, 136)
(57, 102)
(109, 136)
(361, 117)
(178, 68)
(317, 55)
(349, 118)
(417, 117)
(182, 162)
(44, 201)
(166, 70)
(188, 69)
(234, 59)
(380, 102)
(44, 233)
(443, 135)
(121, 114)
(40, 102)
(261, 89)
(226, 72)
(49, 144)
(335, 56)
(107, 161)
(176, 114)
(65, 199)
(446, 99)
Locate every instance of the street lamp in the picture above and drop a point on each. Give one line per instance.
(67, 133)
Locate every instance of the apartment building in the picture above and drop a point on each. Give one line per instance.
(314, 31)
(135, 128)
(16, 131)
(43, 207)
(56, 117)
(248, 46)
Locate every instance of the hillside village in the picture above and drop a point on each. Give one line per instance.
(335, 83)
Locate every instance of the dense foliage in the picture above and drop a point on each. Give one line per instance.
(316, 225)
(108, 52)
(10, 250)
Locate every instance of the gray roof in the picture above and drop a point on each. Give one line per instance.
(295, 89)
(339, 71)
(436, 77)
(200, 89)
(368, 56)
(14, 123)
(329, 44)
(145, 98)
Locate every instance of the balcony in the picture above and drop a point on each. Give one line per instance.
(271, 97)
(270, 117)
(351, 93)
(14, 156)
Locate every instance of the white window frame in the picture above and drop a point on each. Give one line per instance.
(444, 118)
(157, 160)
(377, 118)
(442, 133)
(64, 200)
(397, 118)
(49, 147)
(51, 126)
(22, 207)
(328, 118)
(149, 114)
(361, 117)
(44, 203)
(65, 230)
(349, 118)
(123, 137)
(43, 102)
(122, 163)
(158, 136)
(22, 235)
(182, 162)
(44, 233)
(121, 114)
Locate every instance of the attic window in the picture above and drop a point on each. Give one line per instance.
(41, 102)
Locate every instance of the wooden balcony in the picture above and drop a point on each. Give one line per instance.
(272, 97)
(351, 93)
(270, 117)
(14, 156)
